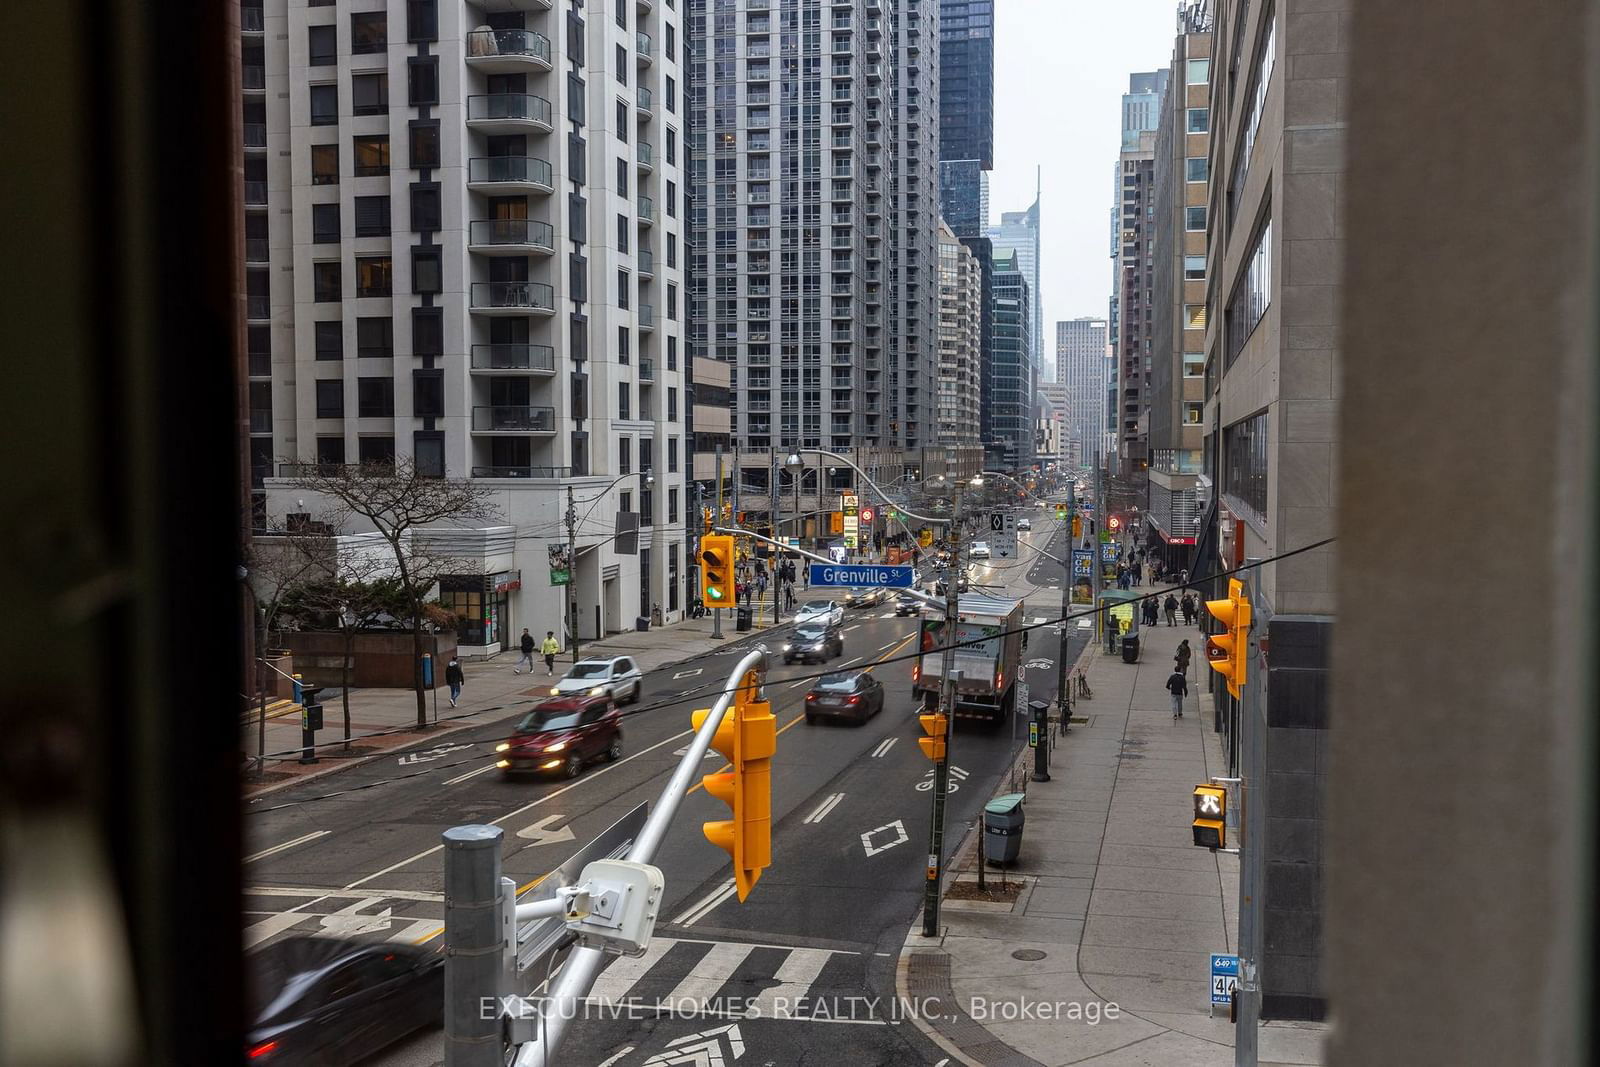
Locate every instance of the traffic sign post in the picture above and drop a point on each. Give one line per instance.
(1002, 529)
(840, 575)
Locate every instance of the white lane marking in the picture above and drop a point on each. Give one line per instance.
(829, 802)
(614, 1059)
(796, 685)
(699, 909)
(857, 626)
(688, 674)
(275, 849)
(901, 837)
(615, 981)
(540, 832)
(336, 894)
(883, 747)
(256, 933)
(419, 931)
(891, 644)
(709, 974)
(798, 970)
(470, 774)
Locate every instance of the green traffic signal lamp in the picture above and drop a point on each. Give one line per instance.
(716, 563)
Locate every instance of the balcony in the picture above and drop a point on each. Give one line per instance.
(255, 136)
(647, 370)
(508, 51)
(647, 211)
(514, 359)
(510, 237)
(522, 472)
(254, 78)
(255, 250)
(644, 47)
(255, 194)
(513, 418)
(260, 421)
(647, 317)
(646, 263)
(257, 307)
(645, 103)
(646, 157)
(645, 6)
(513, 298)
(510, 174)
(509, 113)
(252, 20)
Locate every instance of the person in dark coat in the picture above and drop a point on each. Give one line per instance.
(1178, 686)
(526, 646)
(454, 679)
(1171, 606)
(1186, 605)
(1182, 657)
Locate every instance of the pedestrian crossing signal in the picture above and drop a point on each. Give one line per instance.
(933, 745)
(1210, 816)
(747, 737)
(716, 564)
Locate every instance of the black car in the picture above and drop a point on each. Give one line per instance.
(813, 642)
(847, 695)
(325, 1000)
(906, 604)
(940, 588)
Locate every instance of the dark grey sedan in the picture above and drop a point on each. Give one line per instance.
(845, 695)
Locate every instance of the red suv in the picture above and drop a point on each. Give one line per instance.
(563, 734)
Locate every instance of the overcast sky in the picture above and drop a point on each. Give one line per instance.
(1060, 69)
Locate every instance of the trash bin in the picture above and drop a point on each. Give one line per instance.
(745, 620)
(1130, 648)
(1002, 828)
(641, 624)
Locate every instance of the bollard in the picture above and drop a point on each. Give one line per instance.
(474, 965)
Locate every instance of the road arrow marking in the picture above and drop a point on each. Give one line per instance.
(705, 1049)
(431, 754)
(901, 837)
(539, 833)
(684, 751)
(352, 920)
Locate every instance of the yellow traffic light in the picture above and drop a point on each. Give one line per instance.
(1077, 527)
(716, 570)
(1227, 652)
(747, 737)
(1210, 816)
(932, 745)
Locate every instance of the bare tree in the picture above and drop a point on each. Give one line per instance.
(400, 504)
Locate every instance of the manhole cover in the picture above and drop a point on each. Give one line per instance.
(1028, 954)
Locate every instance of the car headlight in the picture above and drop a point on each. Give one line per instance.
(504, 746)
(597, 691)
(557, 747)
(788, 648)
(555, 691)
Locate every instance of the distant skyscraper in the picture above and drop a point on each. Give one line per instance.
(1019, 232)
(966, 81)
(960, 335)
(1081, 371)
(1133, 254)
(1008, 387)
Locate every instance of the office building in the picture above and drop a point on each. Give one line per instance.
(966, 113)
(1018, 233)
(814, 272)
(1007, 416)
(1081, 374)
(1177, 365)
(1058, 430)
(1133, 254)
(465, 249)
(960, 338)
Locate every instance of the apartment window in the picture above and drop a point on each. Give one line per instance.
(424, 145)
(672, 403)
(672, 200)
(623, 394)
(1196, 168)
(1260, 79)
(330, 398)
(372, 216)
(324, 164)
(422, 20)
(672, 302)
(428, 446)
(324, 45)
(375, 398)
(622, 20)
(1193, 413)
(427, 394)
(1198, 71)
(670, 49)
(375, 450)
(576, 107)
(422, 81)
(1194, 218)
(672, 353)
(330, 339)
(1252, 294)
(672, 250)
(1194, 268)
(1199, 120)
(672, 455)
(624, 455)
(425, 209)
(671, 93)
(369, 33)
(369, 94)
(672, 146)
(577, 167)
(622, 233)
(427, 331)
(672, 504)
(624, 342)
(1244, 464)
(623, 289)
(374, 276)
(1194, 365)
(427, 273)
(375, 337)
(622, 121)
(622, 177)
(324, 224)
(325, 281)
(330, 451)
(324, 105)
(622, 65)
(371, 156)
(1194, 316)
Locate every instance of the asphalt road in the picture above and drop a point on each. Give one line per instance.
(816, 941)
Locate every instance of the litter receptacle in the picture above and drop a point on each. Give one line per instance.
(640, 623)
(1130, 648)
(1002, 828)
(745, 620)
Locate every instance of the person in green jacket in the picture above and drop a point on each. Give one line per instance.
(550, 649)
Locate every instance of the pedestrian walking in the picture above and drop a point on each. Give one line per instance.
(1178, 686)
(551, 647)
(1150, 612)
(527, 653)
(1182, 657)
(1186, 605)
(454, 679)
(1171, 606)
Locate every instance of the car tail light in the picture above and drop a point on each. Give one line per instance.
(853, 700)
(916, 671)
(810, 697)
(263, 1049)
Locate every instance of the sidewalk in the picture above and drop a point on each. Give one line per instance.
(1117, 906)
(491, 692)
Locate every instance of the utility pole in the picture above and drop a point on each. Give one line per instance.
(775, 583)
(716, 613)
(947, 704)
(572, 572)
(1063, 698)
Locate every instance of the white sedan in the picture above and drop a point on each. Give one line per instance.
(618, 678)
(823, 611)
(980, 550)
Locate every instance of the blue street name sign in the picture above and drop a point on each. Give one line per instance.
(852, 575)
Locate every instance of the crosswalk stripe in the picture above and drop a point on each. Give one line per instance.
(711, 973)
(416, 932)
(615, 981)
(256, 933)
(798, 970)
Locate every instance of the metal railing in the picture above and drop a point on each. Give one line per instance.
(514, 417)
(255, 193)
(522, 472)
(260, 421)
(647, 209)
(647, 154)
(482, 44)
(254, 76)
(647, 370)
(536, 295)
(646, 99)
(511, 169)
(512, 232)
(255, 135)
(255, 250)
(513, 357)
(252, 19)
(647, 315)
(258, 307)
(644, 45)
(489, 106)
(647, 261)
